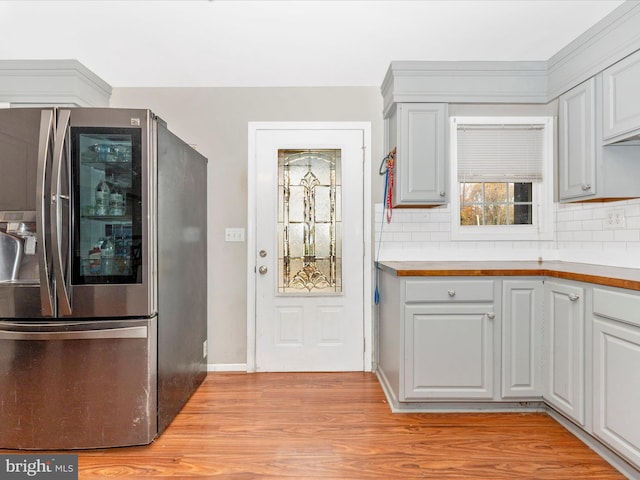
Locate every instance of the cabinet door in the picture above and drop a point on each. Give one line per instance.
(448, 352)
(522, 338)
(616, 386)
(564, 340)
(576, 139)
(421, 155)
(621, 97)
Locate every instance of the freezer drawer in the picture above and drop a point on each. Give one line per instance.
(74, 385)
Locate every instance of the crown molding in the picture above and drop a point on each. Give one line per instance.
(52, 82)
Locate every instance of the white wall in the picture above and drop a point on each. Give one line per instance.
(215, 120)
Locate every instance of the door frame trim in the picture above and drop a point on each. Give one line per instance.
(252, 183)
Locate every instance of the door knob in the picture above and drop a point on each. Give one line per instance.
(262, 269)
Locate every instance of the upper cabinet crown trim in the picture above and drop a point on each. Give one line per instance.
(52, 82)
(460, 82)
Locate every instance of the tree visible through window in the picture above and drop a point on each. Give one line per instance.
(496, 203)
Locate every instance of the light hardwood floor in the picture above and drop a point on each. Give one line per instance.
(339, 426)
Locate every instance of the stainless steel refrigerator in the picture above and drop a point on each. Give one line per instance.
(103, 258)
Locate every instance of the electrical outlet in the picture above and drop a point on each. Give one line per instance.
(614, 219)
(204, 349)
(234, 234)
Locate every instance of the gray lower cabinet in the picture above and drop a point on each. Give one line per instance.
(449, 335)
(438, 338)
(449, 352)
(564, 342)
(419, 133)
(522, 339)
(489, 339)
(616, 371)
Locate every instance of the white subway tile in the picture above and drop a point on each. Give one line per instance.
(401, 237)
(580, 234)
(626, 235)
(440, 236)
(420, 217)
(565, 236)
(420, 236)
(411, 227)
(592, 225)
(431, 227)
(441, 217)
(603, 236)
(583, 214)
(573, 226)
(388, 237)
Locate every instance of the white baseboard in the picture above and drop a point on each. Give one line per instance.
(226, 367)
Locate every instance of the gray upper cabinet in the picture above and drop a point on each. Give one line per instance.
(577, 146)
(419, 133)
(588, 169)
(621, 100)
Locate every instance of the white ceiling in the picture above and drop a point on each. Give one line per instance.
(284, 43)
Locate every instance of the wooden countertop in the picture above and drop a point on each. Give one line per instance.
(582, 272)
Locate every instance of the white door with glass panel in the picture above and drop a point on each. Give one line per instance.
(309, 265)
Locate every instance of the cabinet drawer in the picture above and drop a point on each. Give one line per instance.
(617, 305)
(449, 291)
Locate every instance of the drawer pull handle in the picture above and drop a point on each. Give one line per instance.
(573, 297)
(491, 315)
(452, 293)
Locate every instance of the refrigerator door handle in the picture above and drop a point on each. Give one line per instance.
(64, 303)
(44, 152)
(125, 332)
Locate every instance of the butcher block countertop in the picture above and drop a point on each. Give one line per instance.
(582, 272)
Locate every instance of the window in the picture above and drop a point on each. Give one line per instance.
(501, 177)
(310, 221)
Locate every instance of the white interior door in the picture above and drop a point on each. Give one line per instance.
(309, 249)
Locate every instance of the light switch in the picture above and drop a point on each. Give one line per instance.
(234, 234)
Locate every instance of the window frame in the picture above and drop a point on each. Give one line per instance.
(542, 223)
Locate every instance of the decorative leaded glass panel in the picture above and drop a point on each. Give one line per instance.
(309, 221)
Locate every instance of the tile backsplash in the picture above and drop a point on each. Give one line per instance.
(606, 233)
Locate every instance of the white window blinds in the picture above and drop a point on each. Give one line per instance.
(500, 153)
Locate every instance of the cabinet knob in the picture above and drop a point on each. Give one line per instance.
(262, 270)
(491, 315)
(442, 194)
(586, 187)
(452, 293)
(573, 297)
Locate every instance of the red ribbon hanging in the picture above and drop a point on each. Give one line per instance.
(390, 164)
